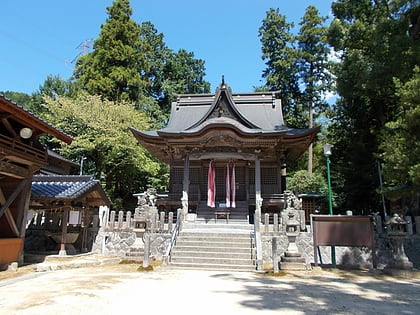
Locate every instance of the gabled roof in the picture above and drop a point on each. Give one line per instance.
(259, 110)
(28, 119)
(68, 188)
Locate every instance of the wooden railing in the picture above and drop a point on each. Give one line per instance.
(20, 149)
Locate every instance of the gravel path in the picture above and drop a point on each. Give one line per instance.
(115, 289)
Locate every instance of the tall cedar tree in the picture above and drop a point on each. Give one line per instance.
(280, 55)
(114, 68)
(314, 66)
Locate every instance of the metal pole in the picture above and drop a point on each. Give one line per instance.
(382, 188)
(334, 264)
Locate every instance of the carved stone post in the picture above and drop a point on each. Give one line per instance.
(275, 255)
(146, 239)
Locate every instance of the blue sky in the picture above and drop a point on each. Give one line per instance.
(40, 38)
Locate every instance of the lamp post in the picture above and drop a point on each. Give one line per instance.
(327, 153)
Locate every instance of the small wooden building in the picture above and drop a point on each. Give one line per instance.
(226, 150)
(21, 155)
(64, 213)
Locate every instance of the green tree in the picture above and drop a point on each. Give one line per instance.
(279, 52)
(314, 66)
(114, 68)
(304, 182)
(401, 137)
(373, 40)
(101, 135)
(170, 73)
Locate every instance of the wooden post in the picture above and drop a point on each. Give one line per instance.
(85, 223)
(64, 220)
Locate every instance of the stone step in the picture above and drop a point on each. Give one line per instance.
(192, 247)
(212, 260)
(223, 267)
(217, 227)
(214, 252)
(212, 237)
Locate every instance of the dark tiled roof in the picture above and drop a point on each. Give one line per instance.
(262, 110)
(65, 187)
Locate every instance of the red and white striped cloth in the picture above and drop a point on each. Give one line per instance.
(230, 186)
(211, 185)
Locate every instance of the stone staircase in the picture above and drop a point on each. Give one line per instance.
(216, 246)
(136, 252)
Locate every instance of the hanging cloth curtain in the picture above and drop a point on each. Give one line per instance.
(211, 185)
(233, 187)
(227, 186)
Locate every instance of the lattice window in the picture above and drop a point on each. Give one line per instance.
(269, 176)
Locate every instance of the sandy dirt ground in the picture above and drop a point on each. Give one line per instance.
(120, 288)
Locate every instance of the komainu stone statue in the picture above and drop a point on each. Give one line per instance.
(146, 208)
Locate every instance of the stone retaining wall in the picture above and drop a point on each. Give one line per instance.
(355, 257)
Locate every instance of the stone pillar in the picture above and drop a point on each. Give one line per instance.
(128, 220)
(170, 221)
(275, 255)
(258, 198)
(185, 184)
(275, 222)
(162, 221)
(266, 222)
(120, 220)
(146, 250)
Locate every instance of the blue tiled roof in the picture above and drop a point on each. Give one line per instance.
(63, 186)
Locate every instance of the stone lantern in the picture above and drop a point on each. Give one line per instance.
(397, 231)
(293, 218)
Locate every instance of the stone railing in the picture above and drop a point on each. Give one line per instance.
(125, 221)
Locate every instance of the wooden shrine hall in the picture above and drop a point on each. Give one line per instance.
(226, 151)
(21, 155)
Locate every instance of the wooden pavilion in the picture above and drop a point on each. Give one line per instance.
(226, 151)
(21, 155)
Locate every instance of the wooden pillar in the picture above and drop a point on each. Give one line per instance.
(85, 224)
(258, 198)
(185, 184)
(26, 194)
(283, 177)
(64, 220)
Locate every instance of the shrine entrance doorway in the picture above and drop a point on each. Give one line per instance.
(241, 190)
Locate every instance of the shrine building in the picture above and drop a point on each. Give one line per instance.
(226, 151)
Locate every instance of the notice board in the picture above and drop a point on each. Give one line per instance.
(337, 230)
